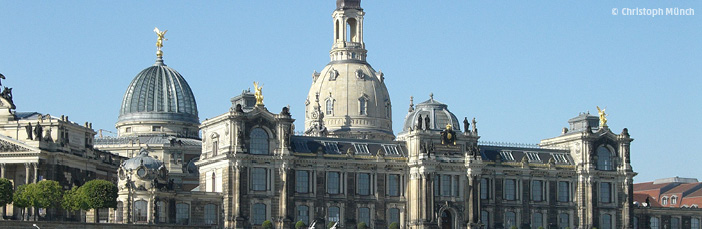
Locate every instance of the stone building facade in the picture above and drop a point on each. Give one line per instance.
(349, 167)
(35, 147)
(668, 203)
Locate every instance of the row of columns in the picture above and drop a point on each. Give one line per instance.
(27, 169)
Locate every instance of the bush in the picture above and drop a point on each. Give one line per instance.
(267, 224)
(394, 225)
(300, 224)
(5, 192)
(362, 225)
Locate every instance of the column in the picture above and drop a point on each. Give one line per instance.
(26, 173)
(36, 175)
(2, 175)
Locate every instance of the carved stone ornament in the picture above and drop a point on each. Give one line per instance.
(6, 146)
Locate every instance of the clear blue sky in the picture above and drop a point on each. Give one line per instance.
(522, 68)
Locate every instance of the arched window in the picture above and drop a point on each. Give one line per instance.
(213, 182)
(336, 30)
(664, 201)
(140, 211)
(215, 147)
(330, 106)
(537, 220)
(604, 159)
(210, 214)
(259, 213)
(259, 141)
(182, 213)
(333, 214)
(673, 200)
(510, 219)
(363, 106)
(394, 216)
(655, 223)
(351, 30)
(606, 221)
(303, 214)
(563, 220)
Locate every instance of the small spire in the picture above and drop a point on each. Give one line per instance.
(431, 96)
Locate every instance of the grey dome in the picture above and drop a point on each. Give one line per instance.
(439, 116)
(159, 93)
(142, 159)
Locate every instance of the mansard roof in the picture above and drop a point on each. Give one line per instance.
(149, 140)
(342, 146)
(515, 153)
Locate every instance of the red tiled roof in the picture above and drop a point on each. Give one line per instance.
(648, 186)
(641, 198)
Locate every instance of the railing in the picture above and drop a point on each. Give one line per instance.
(519, 145)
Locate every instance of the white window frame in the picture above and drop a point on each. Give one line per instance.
(507, 155)
(361, 148)
(533, 156)
(332, 147)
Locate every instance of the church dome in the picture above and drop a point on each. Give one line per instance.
(438, 113)
(159, 93)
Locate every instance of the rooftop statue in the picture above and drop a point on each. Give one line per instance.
(258, 93)
(159, 41)
(603, 116)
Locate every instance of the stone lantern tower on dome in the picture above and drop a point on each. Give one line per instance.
(353, 99)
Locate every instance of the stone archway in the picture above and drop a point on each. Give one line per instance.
(446, 219)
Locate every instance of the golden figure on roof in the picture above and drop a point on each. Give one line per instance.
(603, 116)
(258, 93)
(159, 41)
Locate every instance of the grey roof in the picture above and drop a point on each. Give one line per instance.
(27, 115)
(306, 144)
(159, 93)
(149, 140)
(439, 116)
(142, 159)
(348, 4)
(492, 153)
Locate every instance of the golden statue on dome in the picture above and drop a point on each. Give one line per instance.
(258, 93)
(603, 116)
(159, 42)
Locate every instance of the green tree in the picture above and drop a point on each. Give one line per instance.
(300, 224)
(362, 225)
(45, 194)
(330, 224)
(22, 198)
(394, 225)
(99, 194)
(5, 192)
(73, 200)
(267, 224)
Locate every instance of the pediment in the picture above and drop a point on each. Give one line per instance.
(11, 145)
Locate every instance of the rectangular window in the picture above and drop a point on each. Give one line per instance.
(303, 214)
(214, 148)
(364, 184)
(674, 223)
(393, 185)
(182, 214)
(507, 156)
(445, 185)
(537, 191)
(454, 186)
(364, 216)
(485, 218)
(484, 189)
(510, 219)
(510, 189)
(695, 223)
(161, 211)
(333, 182)
(361, 148)
(302, 181)
(331, 147)
(563, 191)
(210, 214)
(334, 214)
(394, 215)
(156, 128)
(258, 179)
(537, 221)
(606, 192)
(259, 214)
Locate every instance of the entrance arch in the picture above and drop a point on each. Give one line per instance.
(446, 220)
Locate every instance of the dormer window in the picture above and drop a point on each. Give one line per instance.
(560, 158)
(391, 150)
(363, 106)
(664, 201)
(361, 148)
(507, 156)
(673, 200)
(156, 128)
(533, 156)
(330, 106)
(331, 147)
